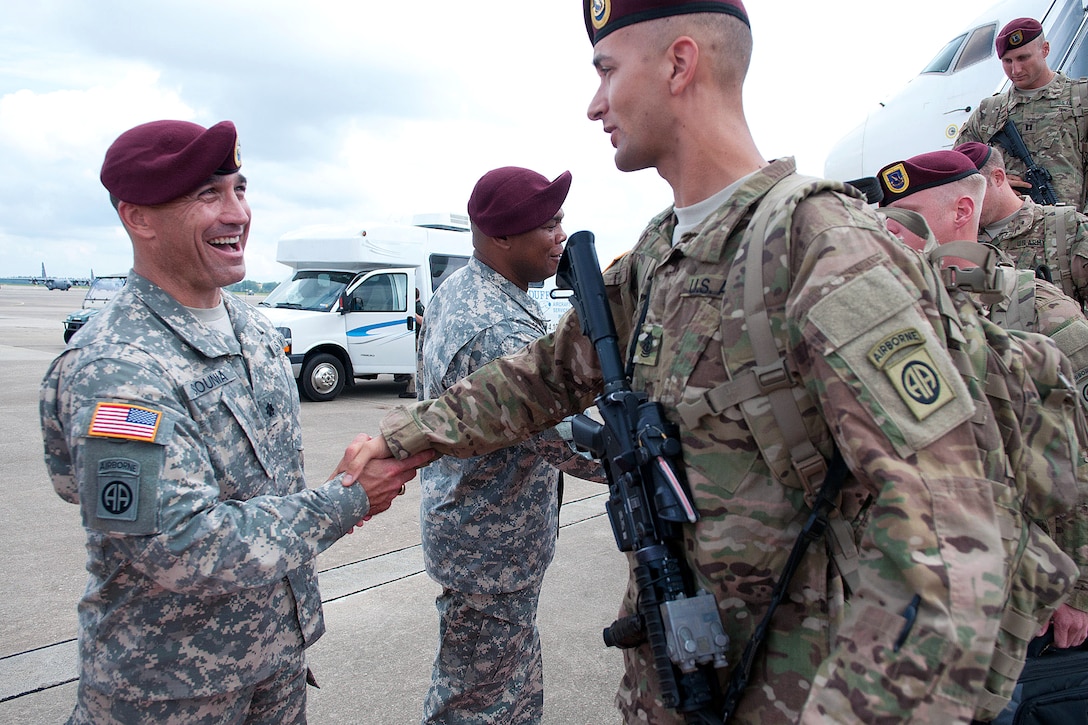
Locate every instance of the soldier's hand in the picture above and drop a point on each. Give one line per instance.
(1070, 627)
(385, 478)
(369, 462)
(361, 449)
(1016, 182)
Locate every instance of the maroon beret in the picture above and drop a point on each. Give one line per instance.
(1017, 33)
(512, 200)
(159, 161)
(604, 16)
(979, 153)
(923, 171)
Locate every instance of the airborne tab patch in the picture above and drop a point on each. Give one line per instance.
(880, 352)
(118, 489)
(128, 422)
(919, 383)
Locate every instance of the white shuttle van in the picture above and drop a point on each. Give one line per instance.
(348, 310)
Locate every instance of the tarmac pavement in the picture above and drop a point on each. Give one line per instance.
(374, 662)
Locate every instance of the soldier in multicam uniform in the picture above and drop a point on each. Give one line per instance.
(1047, 107)
(173, 421)
(489, 523)
(947, 190)
(1033, 235)
(1027, 303)
(670, 95)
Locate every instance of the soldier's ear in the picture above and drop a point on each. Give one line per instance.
(964, 211)
(135, 219)
(683, 55)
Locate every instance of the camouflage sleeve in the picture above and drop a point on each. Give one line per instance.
(1078, 258)
(917, 635)
(971, 129)
(182, 535)
(558, 452)
(1070, 532)
(503, 402)
(1061, 319)
(516, 396)
(485, 346)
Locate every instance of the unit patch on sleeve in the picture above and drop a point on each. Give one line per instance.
(919, 383)
(118, 489)
(128, 422)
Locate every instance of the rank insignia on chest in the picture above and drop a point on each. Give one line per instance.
(648, 345)
(128, 422)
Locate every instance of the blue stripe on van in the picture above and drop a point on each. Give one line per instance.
(367, 329)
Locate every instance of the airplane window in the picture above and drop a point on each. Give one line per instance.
(1078, 64)
(1063, 33)
(943, 61)
(979, 47)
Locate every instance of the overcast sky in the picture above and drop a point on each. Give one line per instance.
(357, 110)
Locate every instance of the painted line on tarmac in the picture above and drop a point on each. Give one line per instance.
(42, 668)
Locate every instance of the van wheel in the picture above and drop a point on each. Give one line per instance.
(322, 377)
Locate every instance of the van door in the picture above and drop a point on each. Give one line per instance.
(379, 324)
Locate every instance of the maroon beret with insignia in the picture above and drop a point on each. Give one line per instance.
(159, 161)
(979, 153)
(1017, 33)
(923, 171)
(604, 16)
(512, 200)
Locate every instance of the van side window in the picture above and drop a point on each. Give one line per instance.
(442, 266)
(381, 293)
(980, 46)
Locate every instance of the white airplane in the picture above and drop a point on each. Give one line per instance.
(927, 113)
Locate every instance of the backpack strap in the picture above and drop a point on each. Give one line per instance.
(773, 376)
(914, 223)
(1059, 225)
(809, 464)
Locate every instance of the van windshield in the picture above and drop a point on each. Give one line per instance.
(310, 290)
(105, 287)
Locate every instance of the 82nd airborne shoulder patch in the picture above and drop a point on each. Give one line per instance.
(913, 376)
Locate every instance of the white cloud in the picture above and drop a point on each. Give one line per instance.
(365, 110)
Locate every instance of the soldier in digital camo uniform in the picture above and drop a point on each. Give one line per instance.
(670, 97)
(173, 421)
(489, 523)
(946, 189)
(1047, 107)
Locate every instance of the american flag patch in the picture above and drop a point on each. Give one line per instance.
(116, 420)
